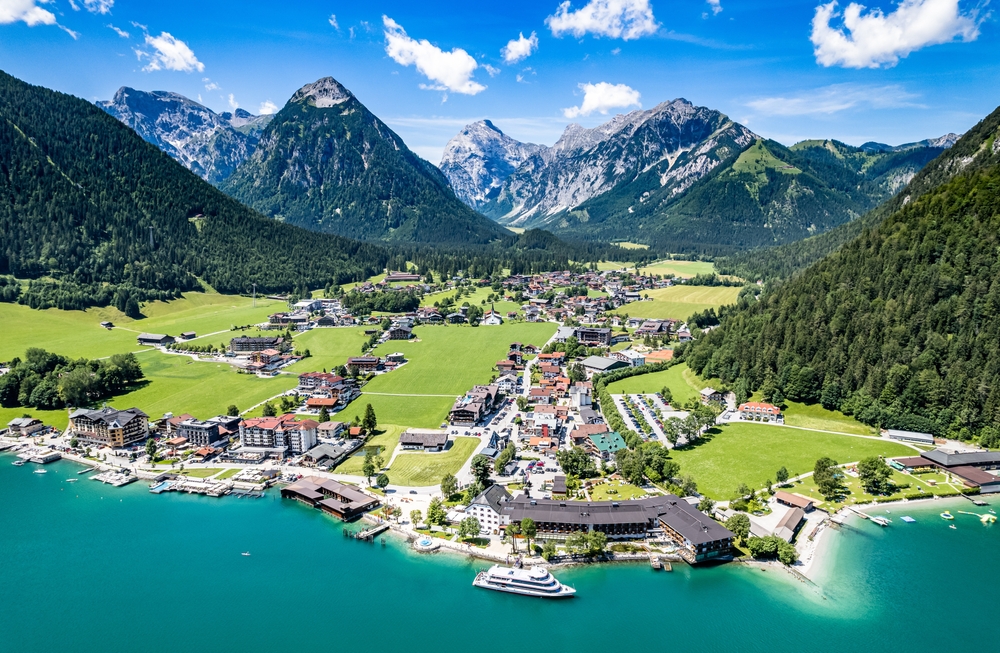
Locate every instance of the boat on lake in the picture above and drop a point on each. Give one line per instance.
(536, 581)
(41, 471)
(245, 553)
(18, 463)
(72, 480)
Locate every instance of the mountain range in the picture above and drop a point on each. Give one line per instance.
(679, 177)
(209, 144)
(898, 326)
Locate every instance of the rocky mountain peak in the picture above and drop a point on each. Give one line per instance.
(323, 93)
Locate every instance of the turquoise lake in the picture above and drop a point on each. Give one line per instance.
(86, 567)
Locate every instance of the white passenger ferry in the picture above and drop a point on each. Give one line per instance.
(536, 581)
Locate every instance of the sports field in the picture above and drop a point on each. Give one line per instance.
(751, 453)
(680, 302)
(421, 469)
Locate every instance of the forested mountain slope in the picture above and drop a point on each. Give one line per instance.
(900, 326)
(326, 163)
(80, 192)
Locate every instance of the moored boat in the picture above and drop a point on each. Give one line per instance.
(536, 581)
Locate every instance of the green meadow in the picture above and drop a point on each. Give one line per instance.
(680, 302)
(752, 453)
(422, 469)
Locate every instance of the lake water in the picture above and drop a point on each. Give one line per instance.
(85, 567)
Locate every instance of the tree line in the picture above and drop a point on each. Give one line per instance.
(47, 381)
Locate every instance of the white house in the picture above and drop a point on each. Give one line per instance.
(633, 358)
(507, 383)
(488, 509)
(491, 318)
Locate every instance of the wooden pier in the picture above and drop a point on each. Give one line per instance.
(654, 562)
(369, 534)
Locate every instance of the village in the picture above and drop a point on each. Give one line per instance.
(539, 454)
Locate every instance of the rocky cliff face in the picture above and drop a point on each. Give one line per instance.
(683, 141)
(209, 144)
(480, 158)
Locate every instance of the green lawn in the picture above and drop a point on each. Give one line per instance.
(178, 384)
(814, 416)
(752, 453)
(477, 297)
(683, 383)
(229, 473)
(387, 439)
(917, 483)
(421, 469)
(444, 361)
(78, 333)
(686, 269)
(329, 348)
(199, 473)
(616, 491)
(680, 302)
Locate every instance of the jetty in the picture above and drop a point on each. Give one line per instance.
(369, 534)
(654, 562)
(192, 486)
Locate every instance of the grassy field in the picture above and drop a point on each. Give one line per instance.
(478, 296)
(757, 158)
(179, 384)
(444, 361)
(685, 269)
(229, 473)
(814, 416)
(616, 491)
(683, 383)
(857, 494)
(627, 245)
(78, 333)
(752, 453)
(680, 302)
(329, 348)
(421, 469)
(387, 440)
(199, 473)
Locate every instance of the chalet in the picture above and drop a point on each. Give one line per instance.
(189, 335)
(709, 395)
(507, 383)
(364, 364)
(424, 439)
(653, 328)
(564, 333)
(21, 426)
(549, 371)
(794, 500)
(327, 321)
(330, 430)
(247, 344)
(469, 409)
(583, 432)
(684, 334)
(516, 356)
(325, 456)
(397, 357)
(756, 411)
(400, 333)
(455, 318)
(154, 339)
(313, 381)
(540, 396)
(604, 445)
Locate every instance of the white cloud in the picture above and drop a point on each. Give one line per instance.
(75, 35)
(716, 6)
(520, 48)
(625, 19)
(119, 31)
(832, 99)
(877, 39)
(602, 97)
(210, 85)
(26, 11)
(267, 108)
(451, 71)
(616, 51)
(492, 70)
(169, 53)
(233, 104)
(99, 6)
(333, 21)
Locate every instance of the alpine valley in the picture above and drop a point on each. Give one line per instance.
(678, 177)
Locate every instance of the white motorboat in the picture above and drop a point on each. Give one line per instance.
(536, 581)
(245, 553)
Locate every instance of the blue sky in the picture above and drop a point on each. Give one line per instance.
(892, 72)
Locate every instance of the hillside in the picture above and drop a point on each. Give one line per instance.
(327, 164)
(765, 195)
(83, 194)
(209, 144)
(899, 326)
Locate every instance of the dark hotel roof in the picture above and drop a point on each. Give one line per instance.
(948, 459)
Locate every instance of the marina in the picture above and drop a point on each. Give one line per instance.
(116, 479)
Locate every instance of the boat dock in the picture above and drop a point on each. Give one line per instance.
(369, 534)
(40, 456)
(654, 562)
(116, 479)
(247, 494)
